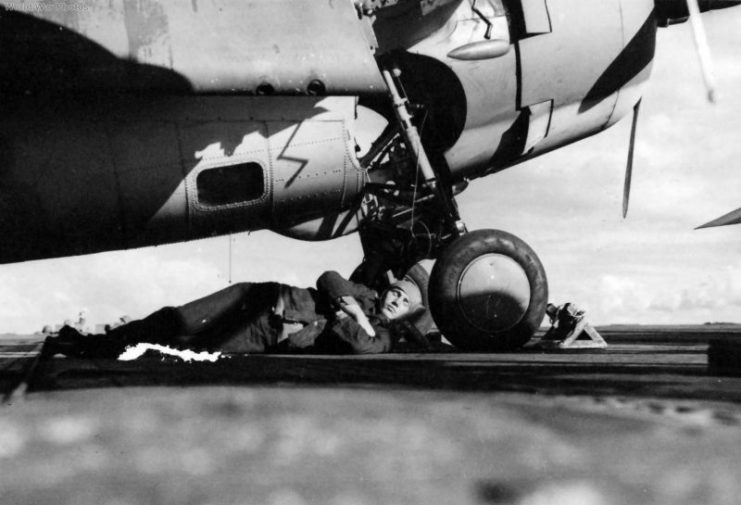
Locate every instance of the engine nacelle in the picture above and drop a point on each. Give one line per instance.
(167, 169)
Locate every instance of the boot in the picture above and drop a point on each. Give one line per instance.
(70, 342)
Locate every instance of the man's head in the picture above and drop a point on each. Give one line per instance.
(400, 297)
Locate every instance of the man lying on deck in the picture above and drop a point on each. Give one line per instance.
(338, 317)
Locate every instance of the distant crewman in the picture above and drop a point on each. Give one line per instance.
(563, 319)
(339, 316)
(570, 329)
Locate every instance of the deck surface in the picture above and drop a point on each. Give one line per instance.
(642, 421)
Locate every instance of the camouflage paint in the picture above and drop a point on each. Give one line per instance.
(148, 33)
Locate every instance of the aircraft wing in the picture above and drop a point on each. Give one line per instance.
(730, 218)
(293, 47)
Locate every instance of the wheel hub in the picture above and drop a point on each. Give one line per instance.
(493, 293)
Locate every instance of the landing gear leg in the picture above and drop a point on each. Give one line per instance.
(488, 290)
(414, 143)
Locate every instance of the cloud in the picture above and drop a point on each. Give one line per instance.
(622, 295)
(137, 282)
(702, 298)
(107, 285)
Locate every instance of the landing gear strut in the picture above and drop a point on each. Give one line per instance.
(488, 290)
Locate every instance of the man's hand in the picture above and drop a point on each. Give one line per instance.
(350, 306)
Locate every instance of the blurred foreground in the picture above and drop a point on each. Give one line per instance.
(640, 422)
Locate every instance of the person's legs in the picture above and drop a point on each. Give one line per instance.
(246, 323)
(256, 334)
(160, 327)
(213, 310)
(206, 322)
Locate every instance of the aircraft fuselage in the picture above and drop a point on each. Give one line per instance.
(140, 123)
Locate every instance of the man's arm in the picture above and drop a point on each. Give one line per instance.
(350, 306)
(334, 285)
(351, 298)
(345, 335)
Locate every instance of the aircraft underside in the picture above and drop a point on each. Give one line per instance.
(158, 125)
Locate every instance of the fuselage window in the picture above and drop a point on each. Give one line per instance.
(231, 184)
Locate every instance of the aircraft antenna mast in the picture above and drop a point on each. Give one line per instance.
(230, 258)
(703, 49)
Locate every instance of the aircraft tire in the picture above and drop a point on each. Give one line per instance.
(488, 291)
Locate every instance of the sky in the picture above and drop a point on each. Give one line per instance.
(651, 268)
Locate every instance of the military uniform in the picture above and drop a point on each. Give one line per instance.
(253, 318)
(342, 335)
